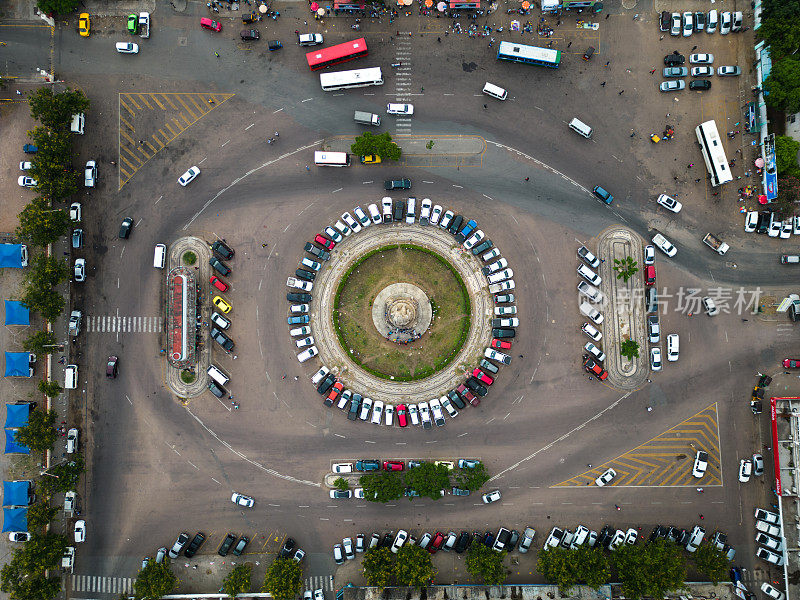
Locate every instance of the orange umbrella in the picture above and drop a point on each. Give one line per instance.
(526, 5)
(428, 3)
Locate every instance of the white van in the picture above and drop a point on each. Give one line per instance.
(411, 215)
(71, 377)
(711, 24)
(160, 256)
(673, 347)
(580, 128)
(218, 375)
(76, 126)
(495, 91)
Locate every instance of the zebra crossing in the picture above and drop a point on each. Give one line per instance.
(116, 324)
(402, 82)
(785, 330)
(103, 585)
(321, 581)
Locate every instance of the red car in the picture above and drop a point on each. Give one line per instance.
(207, 23)
(334, 393)
(478, 374)
(402, 415)
(649, 275)
(219, 284)
(324, 242)
(595, 369)
(791, 363)
(394, 465)
(467, 395)
(436, 542)
(501, 344)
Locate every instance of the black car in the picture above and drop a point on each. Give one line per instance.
(673, 533)
(355, 406)
(301, 297)
(399, 210)
(387, 540)
(700, 84)
(288, 546)
(476, 386)
(219, 266)
(192, 548)
(482, 247)
(463, 542)
(605, 536)
(674, 59)
(216, 389)
(397, 184)
(317, 251)
(455, 224)
(502, 332)
(240, 545)
(665, 22)
(763, 221)
(455, 399)
(305, 274)
(226, 544)
(249, 34)
(651, 299)
(250, 17)
(223, 249)
(125, 228)
(326, 383)
(488, 539)
(512, 541)
(699, 21)
(222, 339)
(658, 532)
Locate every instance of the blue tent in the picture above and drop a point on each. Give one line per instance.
(12, 447)
(15, 519)
(17, 364)
(11, 255)
(16, 493)
(17, 415)
(17, 313)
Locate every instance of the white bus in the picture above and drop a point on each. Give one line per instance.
(331, 159)
(713, 153)
(339, 80)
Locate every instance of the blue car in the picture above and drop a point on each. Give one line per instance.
(302, 320)
(467, 230)
(603, 194)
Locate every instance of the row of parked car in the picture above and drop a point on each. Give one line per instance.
(689, 22)
(220, 324)
(768, 537)
(593, 355)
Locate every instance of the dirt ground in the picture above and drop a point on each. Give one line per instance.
(16, 118)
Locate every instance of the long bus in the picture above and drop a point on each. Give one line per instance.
(339, 80)
(713, 153)
(331, 159)
(543, 57)
(325, 57)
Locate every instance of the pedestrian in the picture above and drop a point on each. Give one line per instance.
(602, 260)
(633, 133)
(264, 245)
(438, 39)
(527, 179)
(661, 38)
(652, 71)
(608, 63)
(216, 54)
(715, 194)
(308, 168)
(697, 180)
(284, 376)
(19, 93)
(608, 15)
(211, 101)
(570, 44)
(269, 140)
(621, 92)
(277, 134)
(617, 507)
(690, 165)
(699, 490)
(603, 84)
(296, 378)
(649, 408)
(701, 517)
(297, 32)
(422, 90)
(521, 356)
(693, 48)
(668, 115)
(485, 106)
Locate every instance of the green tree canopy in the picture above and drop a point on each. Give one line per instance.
(629, 349)
(472, 479)
(649, 570)
(41, 343)
(154, 581)
(38, 294)
(625, 268)
(55, 110)
(428, 479)
(57, 7)
(557, 565)
(51, 389)
(776, 27)
(62, 477)
(40, 514)
(41, 552)
(22, 585)
(46, 271)
(711, 562)
(40, 225)
(593, 568)
(51, 166)
(40, 433)
(238, 580)
(341, 484)
(382, 486)
(486, 564)
(284, 579)
(45, 301)
(414, 567)
(786, 150)
(381, 144)
(377, 566)
(782, 85)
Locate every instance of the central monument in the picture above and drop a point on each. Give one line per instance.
(401, 312)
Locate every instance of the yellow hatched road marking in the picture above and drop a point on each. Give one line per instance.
(132, 100)
(154, 98)
(143, 98)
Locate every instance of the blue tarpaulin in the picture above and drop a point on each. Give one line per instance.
(17, 364)
(12, 447)
(17, 313)
(17, 415)
(15, 519)
(11, 255)
(16, 493)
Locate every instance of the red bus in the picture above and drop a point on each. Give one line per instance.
(324, 57)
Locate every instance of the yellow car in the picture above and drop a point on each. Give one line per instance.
(221, 304)
(83, 24)
(370, 159)
(445, 463)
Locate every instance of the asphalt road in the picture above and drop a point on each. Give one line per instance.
(159, 468)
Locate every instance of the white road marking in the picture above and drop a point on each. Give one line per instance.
(339, 435)
(337, 190)
(251, 124)
(128, 399)
(306, 100)
(214, 480)
(223, 145)
(463, 434)
(194, 465)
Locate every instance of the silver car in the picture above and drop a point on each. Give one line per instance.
(671, 86)
(729, 71)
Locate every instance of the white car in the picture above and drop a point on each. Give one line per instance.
(400, 109)
(189, 176)
(655, 359)
(664, 245)
(309, 39)
(490, 497)
(493, 253)
(297, 309)
(361, 216)
(589, 275)
(476, 237)
(796, 225)
(305, 342)
(767, 516)
(413, 414)
(590, 292)
(344, 400)
(425, 212)
(311, 264)
(343, 229)
(595, 351)
(688, 24)
(425, 415)
(127, 48)
(399, 540)
(307, 353)
(377, 412)
(389, 412)
(436, 214)
(554, 539)
(751, 221)
(502, 311)
(500, 276)
(80, 531)
(770, 557)
(673, 347)
(772, 592)
(26, 181)
(675, 28)
(605, 478)
(446, 219)
(19, 536)
(242, 500)
(786, 229)
(592, 332)
(700, 464)
(745, 470)
(774, 226)
(436, 409)
(704, 71)
(587, 310)
(386, 207)
(342, 468)
(710, 306)
(649, 254)
(75, 212)
(669, 203)
(729, 71)
(726, 22)
(701, 59)
(333, 234)
(672, 86)
(304, 330)
(366, 407)
(79, 270)
(495, 266)
(25, 165)
(448, 406)
(300, 284)
(351, 222)
(72, 441)
(617, 540)
(374, 213)
(631, 536)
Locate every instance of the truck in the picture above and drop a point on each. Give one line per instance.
(77, 123)
(367, 118)
(68, 560)
(144, 24)
(716, 244)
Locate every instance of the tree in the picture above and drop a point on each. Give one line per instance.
(625, 268)
(62, 477)
(776, 27)
(51, 389)
(341, 484)
(782, 86)
(57, 7)
(786, 150)
(377, 566)
(55, 110)
(428, 480)
(283, 579)
(46, 301)
(712, 562)
(383, 486)
(46, 271)
(51, 166)
(20, 585)
(381, 144)
(39, 434)
(472, 479)
(41, 343)
(40, 514)
(40, 225)
(155, 580)
(486, 564)
(414, 567)
(38, 294)
(649, 570)
(42, 552)
(238, 580)
(558, 565)
(592, 566)
(629, 349)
